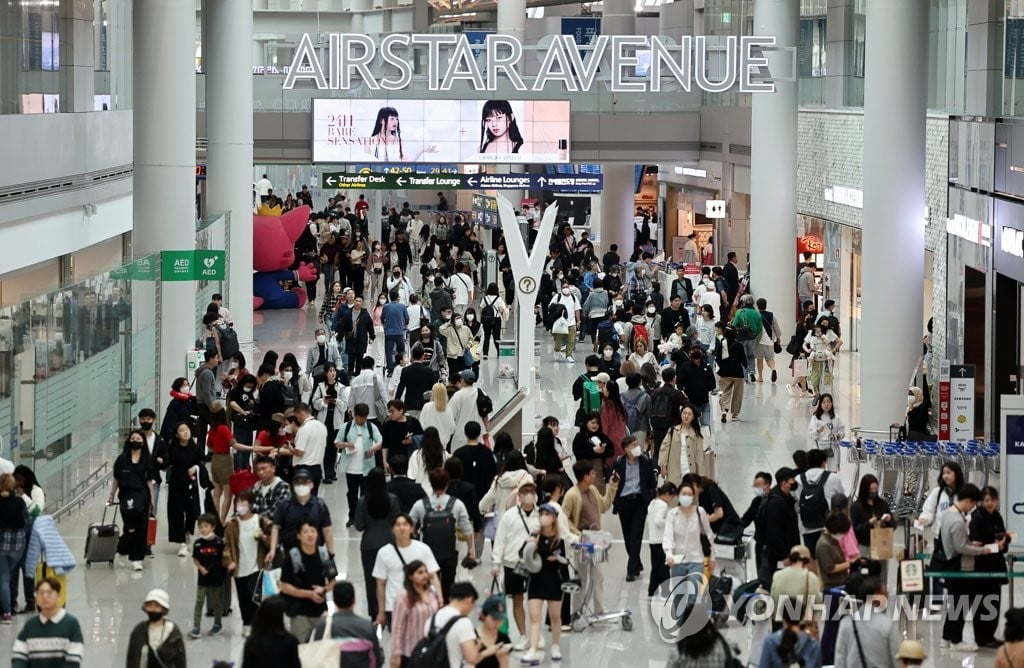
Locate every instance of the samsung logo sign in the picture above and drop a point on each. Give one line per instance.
(1011, 242)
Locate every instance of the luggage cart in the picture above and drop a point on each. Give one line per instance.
(592, 550)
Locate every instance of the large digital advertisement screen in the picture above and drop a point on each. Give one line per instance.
(437, 131)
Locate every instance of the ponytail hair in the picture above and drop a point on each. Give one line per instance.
(787, 647)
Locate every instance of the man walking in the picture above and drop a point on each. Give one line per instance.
(206, 395)
(395, 318)
(639, 482)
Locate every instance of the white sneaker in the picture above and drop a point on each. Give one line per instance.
(521, 644)
(136, 565)
(570, 359)
(945, 644)
(965, 647)
(122, 560)
(183, 552)
(532, 657)
(556, 653)
(540, 644)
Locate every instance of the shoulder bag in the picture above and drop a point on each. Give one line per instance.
(323, 652)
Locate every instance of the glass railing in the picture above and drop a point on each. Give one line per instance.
(211, 234)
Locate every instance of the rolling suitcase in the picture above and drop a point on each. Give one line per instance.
(101, 540)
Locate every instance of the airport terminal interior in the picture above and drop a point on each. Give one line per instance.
(720, 244)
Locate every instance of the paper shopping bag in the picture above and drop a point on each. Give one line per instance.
(799, 368)
(881, 542)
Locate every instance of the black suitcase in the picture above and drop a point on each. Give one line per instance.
(101, 540)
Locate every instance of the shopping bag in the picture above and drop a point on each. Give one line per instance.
(496, 590)
(151, 532)
(560, 326)
(270, 583)
(799, 368)
(826, 382)
(882, 542)
(322, 652)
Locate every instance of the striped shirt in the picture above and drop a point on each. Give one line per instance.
(49, 643)
(407, 623)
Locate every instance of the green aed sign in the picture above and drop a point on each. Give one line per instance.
(199, 265)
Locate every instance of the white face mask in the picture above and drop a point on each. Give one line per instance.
(652, 310)
(382, 301)
(608, 354)
(287, 375)
(565, 291)
(618, 302)
(303, 491)
(321, 339)
(685, 501)
(242, 509)
(528, 499)
(636, 451)
(457, 321)
(470, 317)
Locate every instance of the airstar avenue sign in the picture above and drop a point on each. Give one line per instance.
(714, 65)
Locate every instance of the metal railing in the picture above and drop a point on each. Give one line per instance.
(84, 491)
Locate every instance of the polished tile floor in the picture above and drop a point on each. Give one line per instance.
(107, 600)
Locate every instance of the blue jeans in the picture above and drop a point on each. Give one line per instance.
(685, 593)
(393, 343)
(705, 414)
(243, 434)
(7, 562)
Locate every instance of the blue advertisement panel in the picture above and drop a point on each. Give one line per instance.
(583, 30)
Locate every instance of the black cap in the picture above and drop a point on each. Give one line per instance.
(301, 472)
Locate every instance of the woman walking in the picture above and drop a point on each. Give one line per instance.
(545, 556)
(682, 451)
(375, 513)
(134, 474)
(184, 459)
(413, 608)
(731, 362)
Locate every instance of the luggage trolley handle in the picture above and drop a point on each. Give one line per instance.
(113, 518)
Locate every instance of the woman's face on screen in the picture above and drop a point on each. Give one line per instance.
(497, 124)
(391, 125)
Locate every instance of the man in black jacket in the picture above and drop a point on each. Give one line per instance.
(416, 380)
(407, 490)
(611, 258)
(776, 529)
(440, 299)
(696, 379)
(666, 407)
(762, 485)
(637, 486)
(675, 313)
(732, 276)
(682, 286)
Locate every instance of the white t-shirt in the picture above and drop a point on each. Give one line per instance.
(355, 461)
(462, 285)
(263, 187)
(460, 632)
(388, 566)
(311, 438)
(247, 561)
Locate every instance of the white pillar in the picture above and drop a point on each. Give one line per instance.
(773, 123)
(617, 209)
(618, 17)
(165, 156)
(512, 18)
(895, 102)
(358, 6)
(227, 59)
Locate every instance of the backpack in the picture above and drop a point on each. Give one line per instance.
(330, 570)
(639, 332)
(530, 453)
(228, 341)
(606, 333)
(484, 405)
(357, 653)
(813, 504)
(432, 650)
(632, 410)
(489, 312)
(438, 529)
(591, 401)
(661, 409)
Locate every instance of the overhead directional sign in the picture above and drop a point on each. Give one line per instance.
(714, 208)
(555, 182)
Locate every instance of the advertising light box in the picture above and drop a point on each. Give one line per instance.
(441, 131)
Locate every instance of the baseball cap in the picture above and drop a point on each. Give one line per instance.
(548, 508)
(494, 607)
(160, 597)
(301, 472)
(467, 376)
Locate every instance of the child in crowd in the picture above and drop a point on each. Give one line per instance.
(208, 556)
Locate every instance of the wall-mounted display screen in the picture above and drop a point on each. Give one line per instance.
(438, 131)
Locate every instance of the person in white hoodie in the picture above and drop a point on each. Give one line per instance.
(825, 428)
(943, 495)
(809, 484)
(501, 495)
(463, 408)
(657, 509)
(514, 528)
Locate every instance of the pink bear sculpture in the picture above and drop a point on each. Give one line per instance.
(273, 253)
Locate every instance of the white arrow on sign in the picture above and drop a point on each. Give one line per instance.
(330, 180)
(714, 208)
(471, 182)
(399, 182)
(542, 181)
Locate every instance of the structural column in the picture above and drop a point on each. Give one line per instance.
(773, 123)
(895, 101)
(228, 64)
(358, 7)
(617, 208)
(164, 144)
(511, 21)
(618, 17)
(77, 56)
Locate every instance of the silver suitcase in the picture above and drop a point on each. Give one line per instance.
(101, 540)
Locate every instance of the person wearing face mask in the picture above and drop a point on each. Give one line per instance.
(639, 481)
(133, 476)
(331, 401)
(567, 306)
(461, 285)
(870, 511)
(761, 486)
(246, 538)
(242, 402)
(514, 529)
(157, 449)
(398, 282)
(686, 531)
(302, 508)
(183, 459)
(776, 529)
(544, 554)
(654, 530)
(157, 642)
(359, 333)
(596, 306)
(457, 338)
(319, 355)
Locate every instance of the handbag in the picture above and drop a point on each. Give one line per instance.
(322, 653)
(467, 355)
(496, 590)
(270, 583)
(560, 326)
(800, 367)
(777, 347)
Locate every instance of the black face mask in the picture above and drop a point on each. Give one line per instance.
(135, 445)
(146, 426)
(154, 616)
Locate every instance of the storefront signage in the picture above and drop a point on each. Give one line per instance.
(192, 265)
(590, 183)
(810, 244)
(621, 60)
(961, 402)
(1011, 414)
(846, 196)
(1011, 242)
(970, 229)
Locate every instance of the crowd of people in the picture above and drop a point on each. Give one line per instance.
(387, 399)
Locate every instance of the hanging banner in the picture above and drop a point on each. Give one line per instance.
(192, 265)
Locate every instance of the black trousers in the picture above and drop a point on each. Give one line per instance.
(766, 567)
(203, 425)
(632, 516)
(659, 570)
(958, 598)
(132, 542)
(246, 587)
(985, 609)
(492, 329)
(331, 456)
(316, 476)
(447, 575)
(355, 490)
(368, 558)
(182, 511)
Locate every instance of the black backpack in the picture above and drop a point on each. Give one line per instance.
(438, 529)
(484, 405)
(813, 504)
(432, 650)
(489, 312)
(661, 409)
(228, 341)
